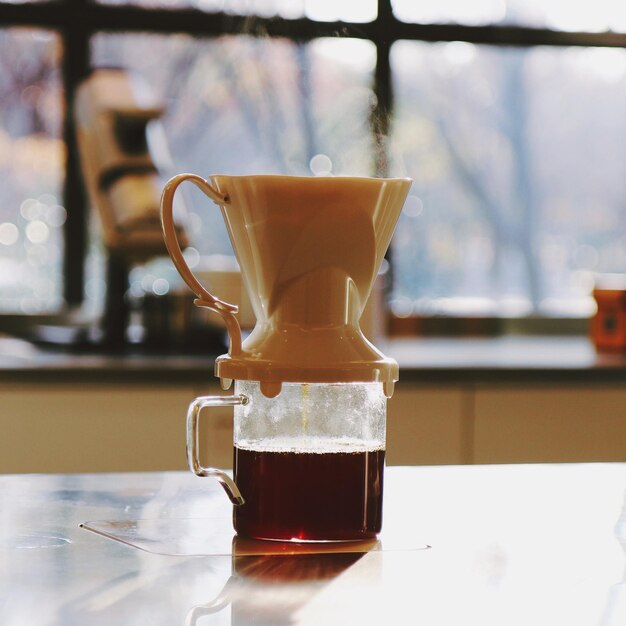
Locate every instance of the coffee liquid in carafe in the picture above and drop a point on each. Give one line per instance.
(320, 494)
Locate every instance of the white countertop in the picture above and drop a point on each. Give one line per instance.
(514, 545)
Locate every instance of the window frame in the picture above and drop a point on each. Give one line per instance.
(77, 21)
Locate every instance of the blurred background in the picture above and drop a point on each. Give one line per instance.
(508, 114)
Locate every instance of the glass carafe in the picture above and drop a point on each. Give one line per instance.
(308, 463)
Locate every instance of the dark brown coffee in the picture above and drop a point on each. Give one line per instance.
(309, 496)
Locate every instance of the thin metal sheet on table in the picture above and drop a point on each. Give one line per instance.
(214, 537)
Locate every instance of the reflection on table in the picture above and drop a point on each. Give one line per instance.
(533, 544)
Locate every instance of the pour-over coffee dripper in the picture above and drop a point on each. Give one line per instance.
(310, 389)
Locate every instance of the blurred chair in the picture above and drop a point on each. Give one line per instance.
(112, 111)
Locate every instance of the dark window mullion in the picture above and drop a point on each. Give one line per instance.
(381, 112)
(383, 90)
(196, 22)
(75, 67)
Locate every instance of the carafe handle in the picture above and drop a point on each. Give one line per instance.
(205, 298)
(215, 606)
(193, 442)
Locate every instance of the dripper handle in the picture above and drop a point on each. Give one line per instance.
(205, 298)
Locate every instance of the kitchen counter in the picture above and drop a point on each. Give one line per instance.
(488, 545)
(501, 400)
(432, 360)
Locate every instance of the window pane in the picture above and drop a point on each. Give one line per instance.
(321, 10)
(31, 170)
(518, 159)
(240, 105)
(556, 14)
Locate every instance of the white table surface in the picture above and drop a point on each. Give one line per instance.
(510, 545)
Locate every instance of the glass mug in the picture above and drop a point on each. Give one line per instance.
(308, 463)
